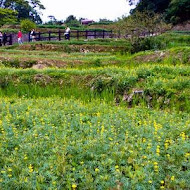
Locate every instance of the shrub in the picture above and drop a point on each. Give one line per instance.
(27, 25)
(143, 44)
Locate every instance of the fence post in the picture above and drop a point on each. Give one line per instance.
(77, 34)
(49, 37)
(95, 34)
(29, 37)
(11, 40)
(86, 34)
(103, 35)
(39, 36)
(119, 34)
(59, 35)
(111, 33)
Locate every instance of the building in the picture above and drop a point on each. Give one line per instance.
(86, 21)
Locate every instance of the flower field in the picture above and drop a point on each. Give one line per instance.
(95, 119)
(60, 143)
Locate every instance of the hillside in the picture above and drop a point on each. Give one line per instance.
(90, 115)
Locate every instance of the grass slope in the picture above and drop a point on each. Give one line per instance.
(79, 123)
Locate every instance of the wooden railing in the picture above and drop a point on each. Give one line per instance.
(77, 34)
(9, 40)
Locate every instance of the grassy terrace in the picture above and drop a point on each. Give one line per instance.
(78, 123)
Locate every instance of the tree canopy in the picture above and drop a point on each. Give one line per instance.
(72, 21)
(26, 9)
(7, 16)
(174, 10)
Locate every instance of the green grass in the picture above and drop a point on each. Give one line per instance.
(166, 82)
(68, 126)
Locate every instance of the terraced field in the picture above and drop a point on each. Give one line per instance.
(88, 115)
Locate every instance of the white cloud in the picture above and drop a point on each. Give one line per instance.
(91, 9)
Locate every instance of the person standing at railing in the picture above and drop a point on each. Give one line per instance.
(32, 35)
(67, 33)
(19, 35)
(4, 38)
(1, 38)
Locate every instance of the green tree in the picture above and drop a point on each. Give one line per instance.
(158, 6)
(178, 11)
(140, 24)
(25, 8)
(175, 11)
(72, 21)
(27, 25)
(7, 16)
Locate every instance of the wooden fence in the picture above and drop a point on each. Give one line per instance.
(9, 40)
(77, 34)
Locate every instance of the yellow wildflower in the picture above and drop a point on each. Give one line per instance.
(172, 178)
(74, 186)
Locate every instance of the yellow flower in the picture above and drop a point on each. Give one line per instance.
(2, 171)
(172, 178)
(74, 186)
(30, 168)
(161, 187)
(9, 169)
(97, 170)
(54, 182)
(162, 182)
(116, 167)
(150, 181)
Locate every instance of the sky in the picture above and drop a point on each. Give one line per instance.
(90, 9)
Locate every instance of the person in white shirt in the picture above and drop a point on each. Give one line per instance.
(67, 33)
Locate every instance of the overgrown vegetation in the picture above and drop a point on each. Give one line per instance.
(91, 115)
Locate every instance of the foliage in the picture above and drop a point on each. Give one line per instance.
(139, 25)
(7, 16)
(158, 6)
(63, 143)
(72, 21)
(26, 9)
(175, 11)
(69, 126)
(178, 11)
(27, 25)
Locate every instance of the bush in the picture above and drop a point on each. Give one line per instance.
(143, 44)
(27, 25)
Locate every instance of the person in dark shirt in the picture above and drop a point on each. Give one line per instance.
(32, 35)
(4, 38)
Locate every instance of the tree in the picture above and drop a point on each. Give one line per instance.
(72, 21)
(27, 25)
(7, 16)
(158, 6)
(25, 8)
(52, 19)
(139, 26)
(175, 11)
(178, 11)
